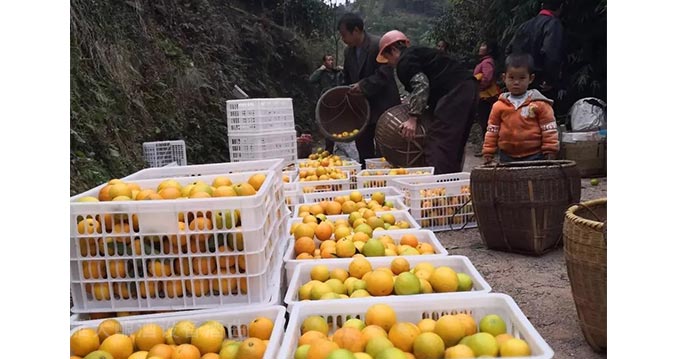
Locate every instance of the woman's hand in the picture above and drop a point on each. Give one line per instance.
(408, 128)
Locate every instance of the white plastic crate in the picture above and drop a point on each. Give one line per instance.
(426, 236)
(458, 263)
(223, 168)
(366, 194)
(147, 293)
(263, 222)
(260, 114)
(259, 146)
(436, 202)
(162, 153)
(370, 178)
(234, 320)
(292, 195)
(415, 309)
(349, 165)
(324, 186)
(376, 163)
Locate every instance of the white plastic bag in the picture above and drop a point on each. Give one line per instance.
(588, 114)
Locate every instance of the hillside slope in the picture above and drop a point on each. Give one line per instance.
(162, 70)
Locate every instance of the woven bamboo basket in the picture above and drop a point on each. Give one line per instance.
(398, 151)
(337, 111)
(585, 250)
(520, 206)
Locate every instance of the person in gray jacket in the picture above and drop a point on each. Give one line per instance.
(367, 77)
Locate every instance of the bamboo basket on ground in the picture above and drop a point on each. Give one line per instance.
(520, 206)
(585, 250)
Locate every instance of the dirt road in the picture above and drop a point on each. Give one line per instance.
(539, 285)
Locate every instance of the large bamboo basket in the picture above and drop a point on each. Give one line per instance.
(398, 151)
(585, 249)
(338, 111)
(520, 206)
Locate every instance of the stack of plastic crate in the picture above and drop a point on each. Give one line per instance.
(163, 153)
(180, 254)
(261, 128)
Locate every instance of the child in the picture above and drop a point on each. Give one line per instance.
(521, 125)
(488, 89)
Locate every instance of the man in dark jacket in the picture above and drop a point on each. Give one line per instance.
(327, 76)
(542, 37)
(439, 84)
(361, 70)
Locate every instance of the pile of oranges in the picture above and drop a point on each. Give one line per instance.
(347, 204)
(184, 340)
(382, 336)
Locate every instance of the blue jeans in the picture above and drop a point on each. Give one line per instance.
(504, 158)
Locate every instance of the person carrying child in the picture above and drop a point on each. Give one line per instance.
(521, 126)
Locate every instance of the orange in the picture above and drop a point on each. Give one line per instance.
(323, 231)
(261, 328)
(315, 323)
(468, 323)
(89, 226)
(173, 288)
(251, 348)
(425, 248)
(198, 287)
(157, 268)
(100, 291)
(84, 341)
(377, 345)
(94, 269)
(403, 334)
(163, 351)
(428, 345)
(203, 265)
(117, 269)
(515, 348)
(148, 336)
(382, 315)
(380, 283)
(399, 265)
(201, 224)
(359, 267)
(339, 274)
(104, 193)
(151, 291)
(348, 207)
(310, 336)
(119, 345)
(459, 351)
(303, 230)
(319, 349)
(426, 325)
(450, 329)
(257, 181)
(371, 331)
(170, 193)
(304, 245)
(349, 338)
(210, 356)
(186, 351)
(410, 240)
(221, 181)
(329, 253)
(334, 208)
(315, 209)
(208, 338)
(139, 355)
(304, 256)
(502, 338)
(108, 327)
(444, 279)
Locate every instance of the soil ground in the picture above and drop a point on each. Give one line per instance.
(539, 285)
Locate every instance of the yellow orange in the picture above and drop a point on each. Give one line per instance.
(84, 341)
(207, 338)
(380, 283)
(163, 351)
(119, 345)
(403, 334)
(261, 328)
(320, 349)
(186, 351)
(108, 327)
(310, 336)
(148, 336)
(252, 348)
(382, 315)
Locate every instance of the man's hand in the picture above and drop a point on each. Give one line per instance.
(408, 128)
(323, 67)
(488, 159)
(355, 89)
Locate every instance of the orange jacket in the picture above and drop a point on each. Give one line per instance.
(523, 131)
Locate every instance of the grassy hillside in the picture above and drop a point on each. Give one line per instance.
(162, 70)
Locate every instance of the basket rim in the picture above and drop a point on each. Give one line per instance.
(327, 134)
(526, 165)
(571, 214)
